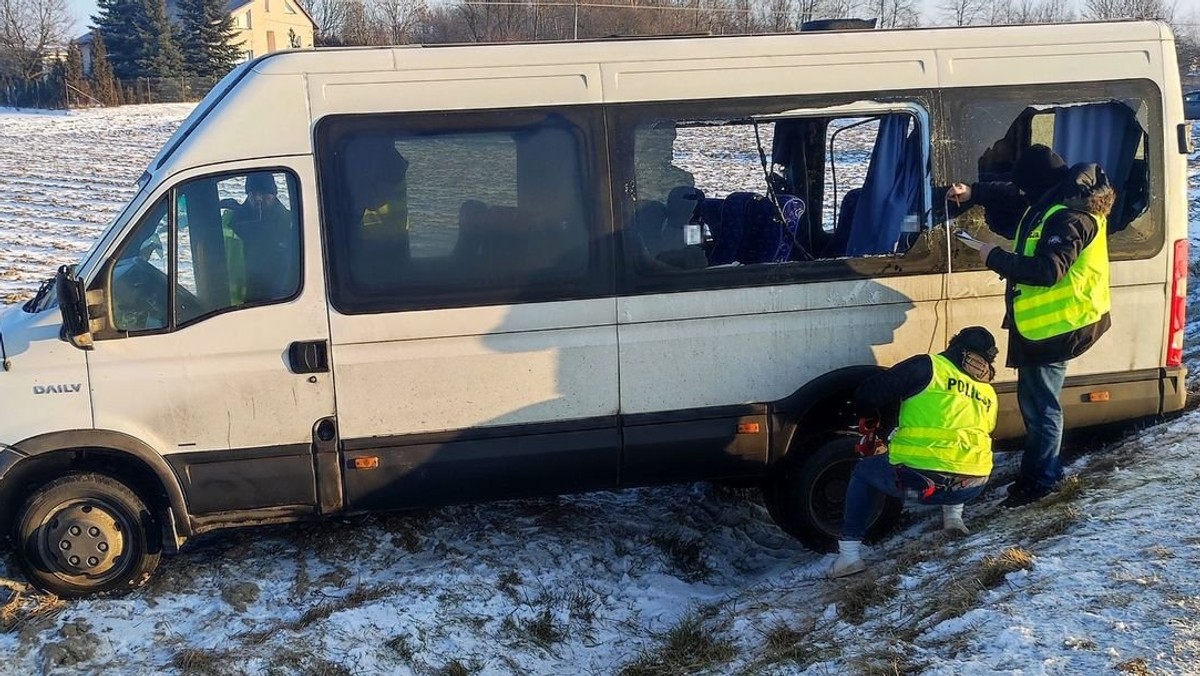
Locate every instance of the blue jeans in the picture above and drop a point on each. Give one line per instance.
(876, 474)
(1038, 390)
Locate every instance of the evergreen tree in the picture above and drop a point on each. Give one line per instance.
(104, 83)
(53, 94)
(76, 83)
(208, 38)
(158, 55)
(115, 20)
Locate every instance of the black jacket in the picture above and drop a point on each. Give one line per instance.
(1064, 236)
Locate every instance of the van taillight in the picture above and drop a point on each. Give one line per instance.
(1178, 304)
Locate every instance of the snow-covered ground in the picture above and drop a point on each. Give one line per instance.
(687, 579)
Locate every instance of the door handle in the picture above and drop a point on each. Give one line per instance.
(308, 356)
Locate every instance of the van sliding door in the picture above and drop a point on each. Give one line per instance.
(766, 242)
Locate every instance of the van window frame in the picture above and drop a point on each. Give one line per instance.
(1143, 96)
(103, 277)
(624, 119)
(598, 281)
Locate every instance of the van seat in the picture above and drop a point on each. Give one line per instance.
(732, 228)
(765, 239)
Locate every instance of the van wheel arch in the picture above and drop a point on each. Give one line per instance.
(120, 456)
(814, 459)
(824, 406)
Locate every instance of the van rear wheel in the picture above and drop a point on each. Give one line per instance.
(807, 496)
(86, 533)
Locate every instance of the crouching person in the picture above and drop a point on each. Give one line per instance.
(941, 450)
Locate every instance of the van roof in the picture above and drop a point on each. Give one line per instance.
(629, 48)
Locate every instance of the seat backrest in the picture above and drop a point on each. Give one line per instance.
(841, 230)
(729, 234)
(770, 233)
(472, 223)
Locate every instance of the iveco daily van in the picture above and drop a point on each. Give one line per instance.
(372, 279)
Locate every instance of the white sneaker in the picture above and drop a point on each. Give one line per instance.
(849, 560)
(952, 519)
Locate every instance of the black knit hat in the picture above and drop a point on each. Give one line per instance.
(1037, 170)
(978, 340)
(261, 183)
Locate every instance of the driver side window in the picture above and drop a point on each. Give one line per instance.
(139, 276)
(230, 241)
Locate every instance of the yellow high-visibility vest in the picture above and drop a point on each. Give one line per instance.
(947, 427)
(1079, 299)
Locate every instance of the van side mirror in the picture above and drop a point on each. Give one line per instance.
(72, 303)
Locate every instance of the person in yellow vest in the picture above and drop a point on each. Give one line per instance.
(381, 198)
(1058, 297)
(941, 449)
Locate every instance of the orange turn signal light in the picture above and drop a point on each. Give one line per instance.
(1093, 397)
(369, 462)
(748, 428)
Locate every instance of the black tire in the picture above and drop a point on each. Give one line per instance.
(807, 495)
(86, 533)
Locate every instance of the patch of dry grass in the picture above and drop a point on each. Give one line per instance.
(359, 596)
(24, 607)
(855, 598)
(993, 569)
(787, 645)
(686, 555)
(457, 668)
(201, 662)
(890, 660)
(1136, 666)
(693, 645)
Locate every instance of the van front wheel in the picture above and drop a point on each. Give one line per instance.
(86, 533)
(807, 495)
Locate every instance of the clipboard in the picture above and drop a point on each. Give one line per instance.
(964, 237)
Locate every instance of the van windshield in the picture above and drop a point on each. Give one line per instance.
(90, 260)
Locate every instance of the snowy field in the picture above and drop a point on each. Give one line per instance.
(680, 580)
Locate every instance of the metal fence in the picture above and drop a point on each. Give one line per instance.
(166, 89)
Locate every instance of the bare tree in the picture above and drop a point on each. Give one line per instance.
(1128, 9)
(330, 17)
(779, 16)
(961, 12)
(895, 13)
(399, 18)
(29, 32)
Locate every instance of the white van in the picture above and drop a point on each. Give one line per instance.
(374, 279)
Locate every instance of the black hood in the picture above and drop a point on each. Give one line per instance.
(1037, 171)
(1086, 188)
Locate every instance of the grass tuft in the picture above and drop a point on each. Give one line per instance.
(1068, 491)
(21, 609)
(994, 569)
(508, 583)
(854, 599)
(691, 646)
(1058, 521)
(201, 662)
(401, 646)
(457, 668)
(792, 646)
(1136, 666)
(686, 555)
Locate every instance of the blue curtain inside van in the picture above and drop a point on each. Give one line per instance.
(1105, 133)
(891, 190)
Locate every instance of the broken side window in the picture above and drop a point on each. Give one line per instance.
(1104, 123)
(788, 188)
